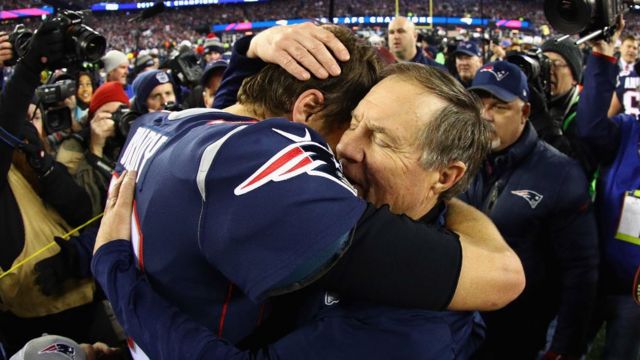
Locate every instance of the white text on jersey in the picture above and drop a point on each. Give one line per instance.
(141, 148)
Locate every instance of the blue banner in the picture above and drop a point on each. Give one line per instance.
(377, 20)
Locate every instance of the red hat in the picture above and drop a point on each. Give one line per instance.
(107, 92)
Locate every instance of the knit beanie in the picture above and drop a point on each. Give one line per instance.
(107, 92)
(144, 84)
(570, 52)
(113, 59)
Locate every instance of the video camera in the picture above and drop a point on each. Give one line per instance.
(81, 43)
(536, 66)
(185, 68)
(55, 117)
(589, 18)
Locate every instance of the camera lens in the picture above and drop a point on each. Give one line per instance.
(569, 16)
(91, 45)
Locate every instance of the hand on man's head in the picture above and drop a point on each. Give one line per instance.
(302, 50)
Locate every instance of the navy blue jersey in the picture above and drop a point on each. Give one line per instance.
(229, 211)
(628, 92)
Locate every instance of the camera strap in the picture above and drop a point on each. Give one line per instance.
(10, 139)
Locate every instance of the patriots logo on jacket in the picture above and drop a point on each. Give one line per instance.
(499, 74)
(532, 197)
(59, 348)
(331, 299)
(302, 157)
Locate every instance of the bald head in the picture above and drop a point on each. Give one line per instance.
(402, 38)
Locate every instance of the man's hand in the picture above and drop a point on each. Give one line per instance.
(299, 48)
(116, 221)
(101, 351)
(102, 128)
(40, 161)
(6, 50)
(608, 48)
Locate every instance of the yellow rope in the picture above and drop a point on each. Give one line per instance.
(65, 236)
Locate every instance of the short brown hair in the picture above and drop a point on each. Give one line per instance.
(275, 91)
(457, 132)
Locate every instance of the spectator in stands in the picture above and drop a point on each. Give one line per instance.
(615, 140)
(626, 98)
(539, 200)
(468, 61)
(560, 132)
(403, 42)
(154, 91)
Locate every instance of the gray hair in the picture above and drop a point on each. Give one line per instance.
(457, 132)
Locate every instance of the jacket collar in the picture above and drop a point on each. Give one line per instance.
(512, 156)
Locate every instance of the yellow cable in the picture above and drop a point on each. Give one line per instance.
(65, 236)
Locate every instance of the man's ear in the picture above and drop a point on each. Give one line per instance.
(449, 176)
(306, 106)
(526, 111)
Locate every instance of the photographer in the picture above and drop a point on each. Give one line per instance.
(30, 180)
(90, 156)
(566, 72)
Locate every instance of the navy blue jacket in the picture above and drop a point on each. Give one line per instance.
(329, 328)
(618, 140)
(538, 199)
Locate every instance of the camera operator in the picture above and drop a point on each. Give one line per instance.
(27, 224)
(566, 72)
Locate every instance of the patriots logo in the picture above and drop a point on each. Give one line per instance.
(498, 74)
(330, 299)
(58, 348)
(532, 197)
(301, 157)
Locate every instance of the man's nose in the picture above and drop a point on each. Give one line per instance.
(350, 147)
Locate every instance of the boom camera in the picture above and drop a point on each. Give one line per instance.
(589, 18)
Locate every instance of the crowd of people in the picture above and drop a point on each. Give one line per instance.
(312, 192)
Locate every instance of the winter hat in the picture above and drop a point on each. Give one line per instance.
(113, 59)
(569, 51)
(211, 69)
(144, 84)
(107, 92)
(50, 347)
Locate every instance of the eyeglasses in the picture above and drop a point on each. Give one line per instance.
(558, 63)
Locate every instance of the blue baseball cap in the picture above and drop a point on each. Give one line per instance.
(468, 48)
(503, 80)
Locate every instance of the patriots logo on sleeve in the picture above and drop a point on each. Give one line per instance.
(301, 157)
(59, 348)
(532, 197)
